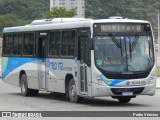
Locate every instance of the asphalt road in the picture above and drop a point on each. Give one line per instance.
(11, 100)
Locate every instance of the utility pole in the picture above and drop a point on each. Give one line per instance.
(158, 35)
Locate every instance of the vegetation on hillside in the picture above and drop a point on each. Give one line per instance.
(60, 12)
(24, 9)
(10, 20)
(136, 9)
(21, 12)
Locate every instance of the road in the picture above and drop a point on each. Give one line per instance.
(11, 100)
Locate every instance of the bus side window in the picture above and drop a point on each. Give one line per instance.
(28, 44)
(7, 44)
(54, 43)
(68, 43)
(17, 44)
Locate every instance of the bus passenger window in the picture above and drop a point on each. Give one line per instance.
(54, 43)
(68, 43)
(7, 45)
(28, 44)
(17, 44)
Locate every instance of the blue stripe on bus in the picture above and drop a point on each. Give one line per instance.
(111, 82)
(11, 63)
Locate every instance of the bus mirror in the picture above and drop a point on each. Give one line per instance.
(90, 47)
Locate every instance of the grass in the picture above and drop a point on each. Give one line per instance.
(158, 71)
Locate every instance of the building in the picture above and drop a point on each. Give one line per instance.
(79, 4)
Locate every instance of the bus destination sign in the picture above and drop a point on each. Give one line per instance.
(119, 27)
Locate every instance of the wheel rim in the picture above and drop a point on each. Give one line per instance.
(73, 91)
(23, 88)
(23, 85)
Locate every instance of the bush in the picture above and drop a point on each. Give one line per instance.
(158, 71)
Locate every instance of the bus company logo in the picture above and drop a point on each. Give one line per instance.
(21, 114)
(6, 114)
(127, 83)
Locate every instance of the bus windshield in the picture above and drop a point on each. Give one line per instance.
(124, 53)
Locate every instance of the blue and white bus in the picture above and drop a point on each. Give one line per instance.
(81, 58)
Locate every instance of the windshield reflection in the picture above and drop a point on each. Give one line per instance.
(123, 53)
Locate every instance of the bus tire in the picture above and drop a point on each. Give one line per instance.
(25, 91)
(73, 97)
(124, 99)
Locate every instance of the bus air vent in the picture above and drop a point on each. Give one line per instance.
(57, 20)
(116, 17)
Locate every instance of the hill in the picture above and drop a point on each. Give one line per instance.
(136, 9)
(24, 9)
(34, 9)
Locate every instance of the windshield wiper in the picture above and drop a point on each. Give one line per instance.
(114, 40)
(130, 51)
(121, 46)
(134, 43)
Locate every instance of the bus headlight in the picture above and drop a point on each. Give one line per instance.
(151, 79)
(98, 78)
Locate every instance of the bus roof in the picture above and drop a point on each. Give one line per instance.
(65, 23)
(119, 21)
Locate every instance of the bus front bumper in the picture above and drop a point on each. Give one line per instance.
(99, 90)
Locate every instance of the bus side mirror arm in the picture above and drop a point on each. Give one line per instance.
(90, 47)
(90, 43)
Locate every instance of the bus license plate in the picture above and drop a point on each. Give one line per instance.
(127, 93)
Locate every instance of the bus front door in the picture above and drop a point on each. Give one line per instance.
(42, 62)
(84, 70)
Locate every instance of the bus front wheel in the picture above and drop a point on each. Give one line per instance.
(73, 96)
(124, 99)
(25, 91)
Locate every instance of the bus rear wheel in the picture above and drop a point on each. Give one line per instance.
(25, 91)
(124, 99)
(73, 96)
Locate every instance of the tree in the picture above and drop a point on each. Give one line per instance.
(60, 12)
(10, 20)
(24, 9)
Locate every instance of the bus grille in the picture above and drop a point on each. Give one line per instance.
(119, 91)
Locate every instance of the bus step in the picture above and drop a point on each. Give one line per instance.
(43, 90)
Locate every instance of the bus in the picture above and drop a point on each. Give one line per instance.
(81, 58)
